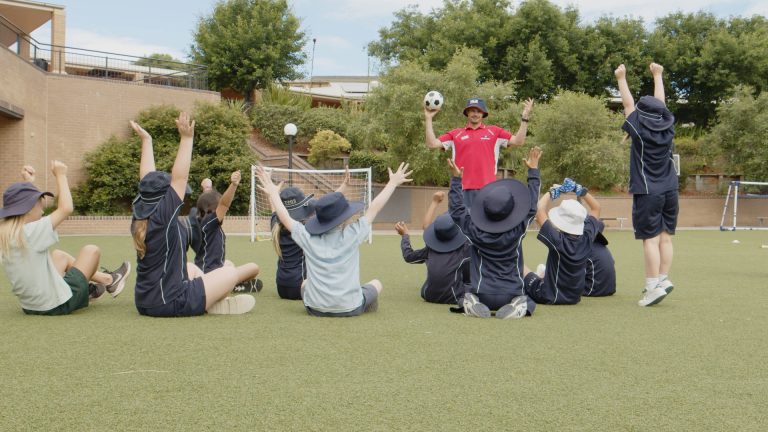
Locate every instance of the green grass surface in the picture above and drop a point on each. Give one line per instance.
(695, 362)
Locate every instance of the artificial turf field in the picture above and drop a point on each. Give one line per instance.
(695, 362)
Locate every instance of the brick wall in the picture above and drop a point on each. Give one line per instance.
(67, 116)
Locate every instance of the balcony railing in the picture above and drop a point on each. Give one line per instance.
(100, 64)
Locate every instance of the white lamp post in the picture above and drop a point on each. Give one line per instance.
(290, 131)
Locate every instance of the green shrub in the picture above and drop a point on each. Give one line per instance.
(581, 139)
(368, 159)
(279, 95)
(220, 147)
(316, 119)
(326, 145)
(270, 120)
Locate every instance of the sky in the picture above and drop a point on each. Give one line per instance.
(342, 28)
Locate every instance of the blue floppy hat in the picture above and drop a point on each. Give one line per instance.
(19, 199)
(330, 211)
(653, 114)
(476, 103)
(443, 235)
(500, 206)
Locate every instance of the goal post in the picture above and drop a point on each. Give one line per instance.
(317, 182)
(733, 188)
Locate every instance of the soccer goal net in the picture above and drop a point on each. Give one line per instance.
(733, 197)
(317, 182)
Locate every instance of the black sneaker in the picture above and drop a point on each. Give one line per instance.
(249, 286)
(118, 279)
(95, 291)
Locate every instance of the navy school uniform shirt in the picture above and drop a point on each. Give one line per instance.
(566, 261)
(496, 267)
(651, 168)
(160, 273)
(446, 272)
(291, 267)
(601, 273)
(213, 246)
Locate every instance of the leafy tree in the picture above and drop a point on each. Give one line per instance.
(248, 44)
(158, 60)
(220, 147)
(581, 139)
(742, 133)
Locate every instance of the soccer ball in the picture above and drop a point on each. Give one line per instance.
(433, 101)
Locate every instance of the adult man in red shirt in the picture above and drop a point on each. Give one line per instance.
(476, 146)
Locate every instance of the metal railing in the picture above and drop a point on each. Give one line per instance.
(101, 64)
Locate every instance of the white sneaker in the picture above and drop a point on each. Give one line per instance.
(652, 296)
(473, 307)
(518, 308)
(234, 305)
(540, 270)
(666, 285)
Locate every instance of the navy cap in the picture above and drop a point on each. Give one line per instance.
(299, 206)
(19, 199)
(476, 103)
(152, 188)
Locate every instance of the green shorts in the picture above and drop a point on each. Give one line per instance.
(79, 286)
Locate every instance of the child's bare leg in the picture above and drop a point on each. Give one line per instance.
(87, 262)
(247, 271)
(229, 263)
(665, 252)
(652, 257)
(218, 284)
(62, 261)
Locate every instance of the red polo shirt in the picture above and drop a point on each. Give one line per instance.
(477, 150)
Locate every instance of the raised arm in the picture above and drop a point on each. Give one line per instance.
(28, 173)
(541, 209)
(229, 195)
(626, 96)
(273, 193)
(180, 171)
(431, 139)
(395, 179)
(65, 206)
(147, 163)
(344, 182)
(437, 198)
(519, 139)
(534, 178)
(658, 82)
(592, 204)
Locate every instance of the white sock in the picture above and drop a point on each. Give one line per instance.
(663, 277)
(650, 283)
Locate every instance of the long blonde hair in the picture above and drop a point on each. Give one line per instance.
(139, 232)
(11, 235)
(276, 228)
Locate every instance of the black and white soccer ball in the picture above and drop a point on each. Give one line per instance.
(433, 100)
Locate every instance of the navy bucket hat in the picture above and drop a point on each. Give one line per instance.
(299, 206)
(152, 188)
(500, 206)
(19, 199)
(330, 211)
(443, 235)
(476, 103)
(653, 114)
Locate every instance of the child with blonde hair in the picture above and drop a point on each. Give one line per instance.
(49, 282)
(166, 285)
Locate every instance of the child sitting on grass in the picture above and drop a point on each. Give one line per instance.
(166, 286)
(446, 255)
(568, 232)
(212, 208)
(496, 225)
(49, 282)
(330, 241)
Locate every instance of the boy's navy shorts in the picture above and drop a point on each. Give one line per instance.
(654, 213)
(191, 302)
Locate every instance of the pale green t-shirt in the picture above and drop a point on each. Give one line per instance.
(34, 279)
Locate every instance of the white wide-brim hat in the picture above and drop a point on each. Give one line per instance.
(569, 217)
